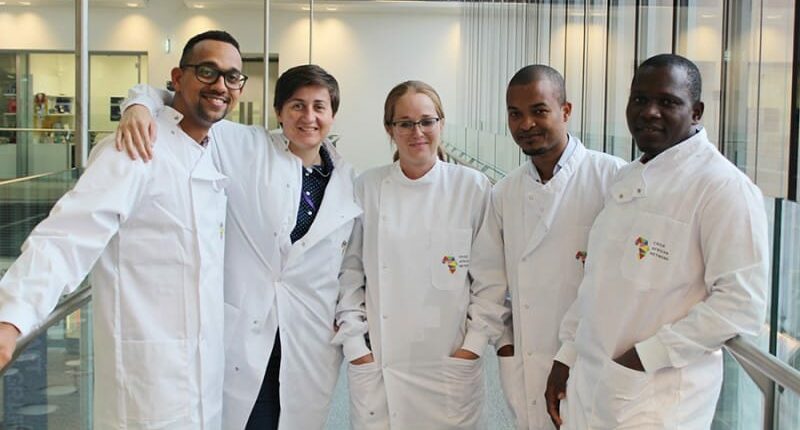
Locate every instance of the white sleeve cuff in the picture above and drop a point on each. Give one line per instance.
(653, 354)
(475, 342)
(567, 354)
(506, 339)
(20, 315)
(355, 347)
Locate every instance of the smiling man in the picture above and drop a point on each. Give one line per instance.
(678, 264)
(154, 234)
(535, 237)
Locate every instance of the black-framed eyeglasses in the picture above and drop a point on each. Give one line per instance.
(407, 126)
(207, 74)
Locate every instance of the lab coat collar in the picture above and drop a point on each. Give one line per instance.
(681, 151)
(428, 178)
(543, 200)
(338, 205)
(633, 182)
(172, 117)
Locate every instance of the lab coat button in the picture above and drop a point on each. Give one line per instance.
(530, 353)
(533, 402)
(236, 368)
(526, 306)
(385, 317)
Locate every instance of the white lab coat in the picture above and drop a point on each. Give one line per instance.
(535, 240)
(156, 231)
(678, 264)
(270, 282)
(406, 273)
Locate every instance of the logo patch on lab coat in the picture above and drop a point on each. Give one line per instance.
(655, 249)
(644, 247)
(581, 256)
(451, 263)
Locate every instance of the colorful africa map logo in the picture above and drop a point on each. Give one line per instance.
(451, 263)
(644, 247)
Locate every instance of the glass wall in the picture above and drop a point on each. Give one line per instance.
(743, 50)
(38, 113)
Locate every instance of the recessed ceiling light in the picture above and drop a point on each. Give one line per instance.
(25, 3)
(331, 9)
(707, 15)
(199, 6)
(305, 8)
(132, 4)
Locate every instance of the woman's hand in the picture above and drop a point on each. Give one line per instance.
(136, 133)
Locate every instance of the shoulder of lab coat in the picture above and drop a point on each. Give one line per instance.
(62, 249)
(733, 236)
(150, 97)
(351, 314)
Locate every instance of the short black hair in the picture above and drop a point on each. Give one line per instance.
(305, 76)
(218, 35)
(695, 81)
(539, 72)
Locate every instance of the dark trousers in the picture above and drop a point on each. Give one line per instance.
(267, 409)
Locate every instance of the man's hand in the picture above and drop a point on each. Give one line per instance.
(364, 359)
(556, 391)
(465, 354)
(8, 342)
(630, 359)
(506, 351)
(136, 133)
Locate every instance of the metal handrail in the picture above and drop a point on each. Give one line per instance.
(763, 368)
(66, 307)
(32, 177)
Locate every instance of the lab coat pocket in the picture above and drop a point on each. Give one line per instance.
(157, 385)
(623, 396)
(368, 405)
(450, 257)
(653, 247)
(512, 380)
(465, 390)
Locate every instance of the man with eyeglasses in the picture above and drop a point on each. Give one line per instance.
(154, 236)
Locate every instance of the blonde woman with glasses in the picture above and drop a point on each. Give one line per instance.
(412, 324)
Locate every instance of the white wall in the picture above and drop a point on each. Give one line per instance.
(369, 50)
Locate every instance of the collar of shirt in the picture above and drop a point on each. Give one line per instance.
(326, 165)
(562, 161)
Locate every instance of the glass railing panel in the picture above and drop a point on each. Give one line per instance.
(741, 403)
(49, 386)
(787, 410)
(24, 204)
(32, 151)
